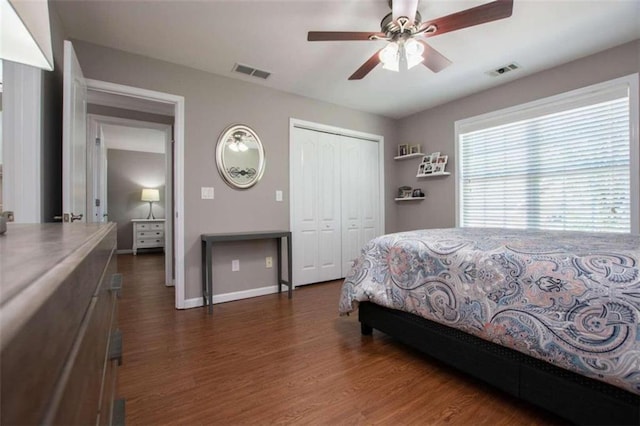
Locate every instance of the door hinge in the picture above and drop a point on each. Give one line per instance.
(97, 141)
(97, 202)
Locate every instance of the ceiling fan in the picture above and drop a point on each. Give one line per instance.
(404, 31)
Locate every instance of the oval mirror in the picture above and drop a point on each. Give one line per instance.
(240, 156)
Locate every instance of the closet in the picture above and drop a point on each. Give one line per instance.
(335, 201)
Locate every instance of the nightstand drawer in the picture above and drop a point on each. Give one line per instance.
(142, 226)
(149, 234)
(149, 242)
(156, 226)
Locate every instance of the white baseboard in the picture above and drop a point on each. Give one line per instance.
(236, 295)
(124, 251)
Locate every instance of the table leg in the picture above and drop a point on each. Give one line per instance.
(279, 257)
(289, 265)
(209, 276)
(203, 267)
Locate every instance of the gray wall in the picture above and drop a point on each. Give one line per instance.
(127, 173)
(211, 104)
(435, 127)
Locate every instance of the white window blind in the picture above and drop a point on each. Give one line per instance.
(568, 169)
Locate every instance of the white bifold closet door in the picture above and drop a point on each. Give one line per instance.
(335, 191)
(360, 197)
(316, 191)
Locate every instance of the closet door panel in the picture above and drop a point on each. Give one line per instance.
(305, 193)
(329, 178)
(352, 197)
(370, 202)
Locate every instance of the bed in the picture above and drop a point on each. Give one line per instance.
(550, 317)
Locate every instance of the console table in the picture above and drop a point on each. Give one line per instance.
(206, 244)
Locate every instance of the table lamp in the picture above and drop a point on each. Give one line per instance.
(150, 195)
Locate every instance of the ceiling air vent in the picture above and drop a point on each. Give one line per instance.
(254, 72)
(504, 69)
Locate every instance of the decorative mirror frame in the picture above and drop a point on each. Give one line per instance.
(222, 169)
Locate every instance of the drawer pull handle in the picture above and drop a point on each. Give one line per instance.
(118, 414)
(116, 284)
(115, 347)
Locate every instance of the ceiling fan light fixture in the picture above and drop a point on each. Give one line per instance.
(390, 57)
(413, 51)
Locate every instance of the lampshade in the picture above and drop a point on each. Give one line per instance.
(407, 52)
(25, 33)
(149, 194)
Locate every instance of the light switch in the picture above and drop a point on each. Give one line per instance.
(206, 193)
(235, 265)
(278, 195)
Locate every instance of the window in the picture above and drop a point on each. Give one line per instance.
(565, 163)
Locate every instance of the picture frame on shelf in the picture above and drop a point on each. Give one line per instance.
(428, 168)
(403, 149)
(414, 149)
(443, 159)
(404, 192)
(434, 157)
(439, 168)
(426, 159)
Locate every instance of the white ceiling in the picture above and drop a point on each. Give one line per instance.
(133, 138)
(271, 35)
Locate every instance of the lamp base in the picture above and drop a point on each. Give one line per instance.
(151, 216)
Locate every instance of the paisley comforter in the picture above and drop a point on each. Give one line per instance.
(571, 299)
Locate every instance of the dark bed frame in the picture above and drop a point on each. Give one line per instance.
(577, 398)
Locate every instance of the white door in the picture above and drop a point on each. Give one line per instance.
(316, 229)
(328, 193)
(360, 197)
(74, 149)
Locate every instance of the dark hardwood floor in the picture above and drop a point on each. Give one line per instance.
(274, 360)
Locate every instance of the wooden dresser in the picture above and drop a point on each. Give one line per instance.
(59, 341)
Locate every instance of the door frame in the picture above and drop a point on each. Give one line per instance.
(178, 168)
(94, 124)
(318, 127)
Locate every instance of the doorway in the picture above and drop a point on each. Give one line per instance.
(176, 103)
(125, 157)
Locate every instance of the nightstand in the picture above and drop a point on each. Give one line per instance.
(147, 233)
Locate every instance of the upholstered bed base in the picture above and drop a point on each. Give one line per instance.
(578, 399)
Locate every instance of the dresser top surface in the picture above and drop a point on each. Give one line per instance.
(30, 251)
(147, 220)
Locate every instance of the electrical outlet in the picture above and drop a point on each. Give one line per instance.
(269, 262)
(235, 265)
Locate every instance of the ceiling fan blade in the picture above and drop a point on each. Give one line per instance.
(433, 59)
(484, 13)
(406, 8)
(340, 35)
(366, 68)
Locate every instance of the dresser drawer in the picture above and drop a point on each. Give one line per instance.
(150, 242)
(141, 235)
(149, 226)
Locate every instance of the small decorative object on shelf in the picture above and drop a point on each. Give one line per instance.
(432, 165)
(417, 193)
(404, 192)
(415, 149)
(403, 149)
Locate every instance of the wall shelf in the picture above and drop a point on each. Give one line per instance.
(410, 199)
(406, 157)
(432, 174)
